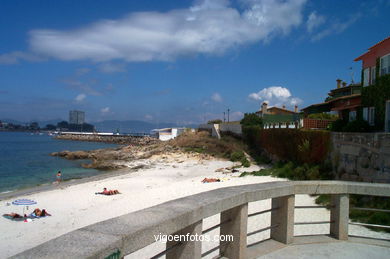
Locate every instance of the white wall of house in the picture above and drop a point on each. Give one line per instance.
(169, 134)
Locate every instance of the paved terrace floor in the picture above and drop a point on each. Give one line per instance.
(321, 247)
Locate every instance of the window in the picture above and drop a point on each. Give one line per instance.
(365, 113)
(373, 71)
(385, 65)
(366, 76)
(352, 115)
(371, 116)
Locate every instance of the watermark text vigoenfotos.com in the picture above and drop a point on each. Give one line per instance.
(189, 237)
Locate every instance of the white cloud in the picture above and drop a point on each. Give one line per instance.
(216, 97)
(314, 21)
(336, 28)
(110, 68)
(17, 56)
(208, 27)
(105, 111)
(275, 96)
(80, 97)
(86, 87)
(236, 116)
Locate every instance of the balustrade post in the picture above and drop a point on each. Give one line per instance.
(283, 219)
(186, 249)
(236, 221)
(339, 216)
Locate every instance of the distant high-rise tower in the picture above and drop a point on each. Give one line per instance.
(76, 117)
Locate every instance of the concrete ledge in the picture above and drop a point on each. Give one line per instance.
(323, 246)
(133, 231)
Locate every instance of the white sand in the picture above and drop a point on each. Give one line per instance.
(77, 206)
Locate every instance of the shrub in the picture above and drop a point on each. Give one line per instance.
(251, 119)
(357, 126)
(322, 116)
(293, 172)
(245, 162)
(237, 156)
(240, 156)
(217, 121)
(338, 125)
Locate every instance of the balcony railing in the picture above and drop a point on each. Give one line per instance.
(120, 236)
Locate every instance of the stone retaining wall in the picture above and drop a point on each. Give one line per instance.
(361, 156)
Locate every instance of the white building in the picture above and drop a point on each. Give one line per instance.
(167, 133)
(76, 117)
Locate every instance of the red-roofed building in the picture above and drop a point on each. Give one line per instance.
(376, 63)
(377, 55)
(348, 100)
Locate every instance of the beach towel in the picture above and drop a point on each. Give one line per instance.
(106, 194)
(12, 218)
(34, 216)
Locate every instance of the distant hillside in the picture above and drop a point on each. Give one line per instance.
(15, 122)
(42, 124)
(130, 126)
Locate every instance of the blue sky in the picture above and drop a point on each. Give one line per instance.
(178, 61)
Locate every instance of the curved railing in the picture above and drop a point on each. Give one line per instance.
(126, 234)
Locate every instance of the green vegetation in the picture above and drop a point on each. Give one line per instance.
(217, 121)
(370, 217)
(251, 119)
(323, 116)
(358, 125)
(239, 156)
(295, 172)
(376, 96)
(338, 125)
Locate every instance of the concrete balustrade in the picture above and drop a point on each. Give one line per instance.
(235, 224)
(131, 232)
(282, 217)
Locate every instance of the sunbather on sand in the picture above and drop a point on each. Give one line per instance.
(108, 192)
(14, 215)
(210, 180)
(40, 213)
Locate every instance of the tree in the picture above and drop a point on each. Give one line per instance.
(50, 127)
(251, 119)
(217, 121)
(63, 125)
(34, 126)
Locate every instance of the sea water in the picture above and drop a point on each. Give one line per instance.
(25, 160)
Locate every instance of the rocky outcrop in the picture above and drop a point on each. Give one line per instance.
(116, 139)
(123, 157)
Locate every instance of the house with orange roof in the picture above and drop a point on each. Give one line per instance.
(351, 101)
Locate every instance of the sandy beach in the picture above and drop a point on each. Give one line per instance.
(75, 206)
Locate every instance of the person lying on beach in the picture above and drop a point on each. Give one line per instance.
(14, 215)
(108, 192)
(210, 180)
(40, 213)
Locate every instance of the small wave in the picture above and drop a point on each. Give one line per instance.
(6, 192)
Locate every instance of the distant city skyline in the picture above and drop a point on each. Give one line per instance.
(178, 61)
(76, 117)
